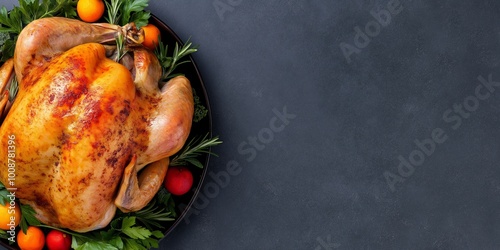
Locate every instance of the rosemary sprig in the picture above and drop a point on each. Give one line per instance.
(170, 63)
(113, 8)
(152, 215)
(193, 149)
(122, 12)
(121, 49)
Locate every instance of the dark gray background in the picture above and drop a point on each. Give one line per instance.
(319, 183)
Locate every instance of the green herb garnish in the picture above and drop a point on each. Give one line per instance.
(133, 11)
(13, 22)
(28, 218)
(121, 49)
(193, 150)
(4, 198)
(113, 7)
(152, 215)
(122, 12)
(200, 111)
(27, 213)
(164, 198)
(3, 234)
(170, 63)
(124, 233)
(136, 230)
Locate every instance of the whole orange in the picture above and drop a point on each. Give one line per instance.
(90, 10)
(8, 211)
(151, 36)
(34, 239)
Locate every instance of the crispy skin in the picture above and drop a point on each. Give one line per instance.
(78, 123)
(45, 38)
(72, 134)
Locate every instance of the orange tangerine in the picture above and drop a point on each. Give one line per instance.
(10, 215)
(34, 239)
(90, 10)
(151, 36)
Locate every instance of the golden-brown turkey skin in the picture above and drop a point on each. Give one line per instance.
(6, 73)
(79, 122)
(44, 38)
(74, 134)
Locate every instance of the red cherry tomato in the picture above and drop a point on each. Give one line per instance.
(178, 180)
(57, 240)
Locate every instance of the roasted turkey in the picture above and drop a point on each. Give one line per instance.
(91, 134)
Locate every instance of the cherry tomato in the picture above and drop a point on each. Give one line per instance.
(57, 240)
(178, 180)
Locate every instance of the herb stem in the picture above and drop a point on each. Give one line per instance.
(170, 63)
(75, 234)
(192, 150)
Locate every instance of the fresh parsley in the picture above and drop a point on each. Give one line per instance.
(123, 233)
(13, 22)
(136, 230)
(28, 217)
(122, 12)
(133, 11)
(95, 245)
(4, 198)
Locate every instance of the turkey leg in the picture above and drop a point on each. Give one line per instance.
(136, 191)
(44, 38)
(5, 78)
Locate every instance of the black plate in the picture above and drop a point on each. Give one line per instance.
(199, 129)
